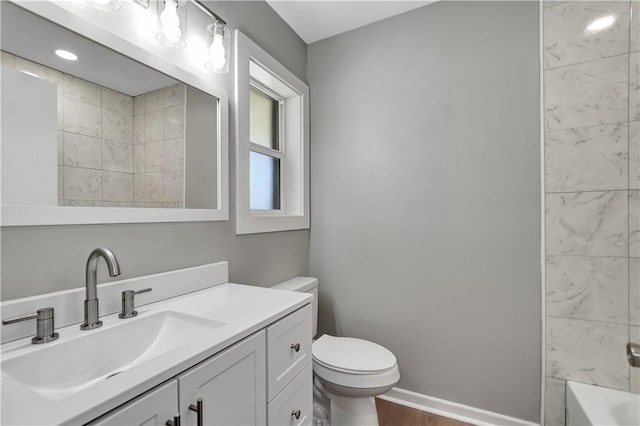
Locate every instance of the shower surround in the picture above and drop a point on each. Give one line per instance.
(592, 194)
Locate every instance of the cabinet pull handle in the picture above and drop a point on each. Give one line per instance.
(199, 410)
(296, 414)
(295, 347)
(175, 421)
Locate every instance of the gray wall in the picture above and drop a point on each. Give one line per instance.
(50, 258)
(426, 197)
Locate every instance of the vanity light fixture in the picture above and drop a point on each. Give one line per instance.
(171, 22)
(172, 25)
(106, 5)
(65, 54)
(218, 37)
(218, 40)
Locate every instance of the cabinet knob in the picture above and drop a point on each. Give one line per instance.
(295, 347)
(198, 408)
(175, 421)
(296, 414)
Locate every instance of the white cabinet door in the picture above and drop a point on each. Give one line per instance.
(232, 386)
(153, 408)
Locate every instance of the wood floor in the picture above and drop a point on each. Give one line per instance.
(390, 414)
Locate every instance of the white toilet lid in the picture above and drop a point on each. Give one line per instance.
(353, 355)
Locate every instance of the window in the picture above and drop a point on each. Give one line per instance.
(265, 154)
(272, 146)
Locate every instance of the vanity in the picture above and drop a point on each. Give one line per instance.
(201, 351)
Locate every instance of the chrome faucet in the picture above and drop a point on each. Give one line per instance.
(633, 354)
(91, 313)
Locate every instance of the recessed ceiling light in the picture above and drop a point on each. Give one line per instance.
(65, 54)
(601, 23)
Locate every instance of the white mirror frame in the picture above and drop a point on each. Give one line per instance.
(103, 28)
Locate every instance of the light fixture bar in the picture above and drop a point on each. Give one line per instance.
(142, 3)
(208, 12)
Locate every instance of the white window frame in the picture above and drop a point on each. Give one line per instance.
(255, 67)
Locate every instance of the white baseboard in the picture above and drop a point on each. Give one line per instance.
(452, 410)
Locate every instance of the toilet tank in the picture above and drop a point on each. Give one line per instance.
(303, 285)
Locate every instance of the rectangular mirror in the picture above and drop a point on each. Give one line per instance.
(91, 135)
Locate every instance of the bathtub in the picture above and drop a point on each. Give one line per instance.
(595, 405)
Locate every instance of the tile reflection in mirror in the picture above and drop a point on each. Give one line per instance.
(121, 134)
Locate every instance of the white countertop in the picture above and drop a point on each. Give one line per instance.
(245, 310)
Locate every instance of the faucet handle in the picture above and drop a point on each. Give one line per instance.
(45, 327)
(128, 303)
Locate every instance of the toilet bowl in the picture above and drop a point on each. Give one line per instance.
(348, 372)
(351, 372)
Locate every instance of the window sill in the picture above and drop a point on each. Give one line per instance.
(256, 224)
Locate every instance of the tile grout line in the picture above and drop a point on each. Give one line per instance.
(596, 321)
(587, 61)
(590, 191)
(625, 121)
(596, 256)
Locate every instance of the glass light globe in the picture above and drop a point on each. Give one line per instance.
(171, 22)
(217, 52)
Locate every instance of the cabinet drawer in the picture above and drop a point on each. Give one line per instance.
(284, 362)
(152, 408)
(298, 395)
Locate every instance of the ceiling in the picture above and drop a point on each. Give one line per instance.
(315, 20)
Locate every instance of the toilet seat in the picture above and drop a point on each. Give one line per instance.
(351, 355)
(354, 363)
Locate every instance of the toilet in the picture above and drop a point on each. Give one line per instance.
(348, 372)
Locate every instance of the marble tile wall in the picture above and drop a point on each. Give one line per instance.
(95, 139)
(592, 179)
(158, 150)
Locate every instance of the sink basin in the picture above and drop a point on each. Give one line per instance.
(67, 367)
